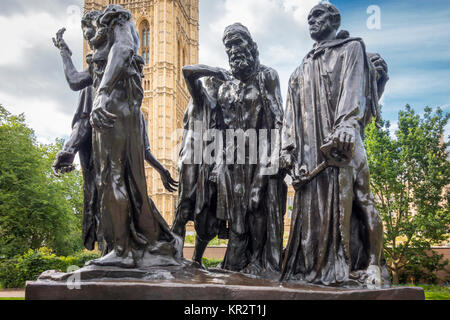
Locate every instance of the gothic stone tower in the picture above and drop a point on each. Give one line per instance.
(169, 40)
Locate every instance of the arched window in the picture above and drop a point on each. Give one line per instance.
(145, 41)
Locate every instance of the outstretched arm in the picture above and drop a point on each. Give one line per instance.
(170, 184)
(64, 159)
(81, 132)
(76, 80)
(167, 180)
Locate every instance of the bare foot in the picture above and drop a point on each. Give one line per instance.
(253, 268)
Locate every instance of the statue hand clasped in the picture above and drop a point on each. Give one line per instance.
(101, 119)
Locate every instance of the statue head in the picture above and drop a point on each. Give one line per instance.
(324, 20)
(115, 13)
(88, 24)
(242, 51)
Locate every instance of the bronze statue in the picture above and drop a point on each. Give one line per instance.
(336, 236)
(109, 132)
(254, 197)
(233, 190)
(237, 192)
(241, 197)
(197, 195)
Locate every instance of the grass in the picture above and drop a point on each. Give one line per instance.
(437, 295)
(434, 292)
(9, 298)
(211, 263)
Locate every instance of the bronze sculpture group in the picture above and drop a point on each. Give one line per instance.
(336, 233)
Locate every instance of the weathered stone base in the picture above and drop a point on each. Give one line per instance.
(127, 290)
(188, 283)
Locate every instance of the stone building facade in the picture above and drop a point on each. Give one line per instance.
(169, 32)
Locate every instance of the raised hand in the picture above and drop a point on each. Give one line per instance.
(380, 65)
(59, 41)
(222, 75)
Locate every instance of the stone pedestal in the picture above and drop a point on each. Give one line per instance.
(188, 283)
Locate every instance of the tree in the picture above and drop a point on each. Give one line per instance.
(36, 208)
(409, 178)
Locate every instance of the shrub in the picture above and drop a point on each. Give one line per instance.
(424, 270)
(210, 263)
(15, 272)
(189, 239)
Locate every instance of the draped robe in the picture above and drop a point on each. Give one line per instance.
(334, 88)
(128, 219)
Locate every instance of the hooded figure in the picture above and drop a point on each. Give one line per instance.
(336, 233)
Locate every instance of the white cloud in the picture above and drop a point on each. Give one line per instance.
(27, 35)
(393, 128)
(279, 27)
(25, 32)
(279, 54)
(44, 116)
(418, 82)
(299, 8)
(256, 14)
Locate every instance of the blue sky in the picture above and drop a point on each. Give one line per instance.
(414, 39)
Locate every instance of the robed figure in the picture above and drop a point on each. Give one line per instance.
(197, 195)
(336, 232)
(110, 135)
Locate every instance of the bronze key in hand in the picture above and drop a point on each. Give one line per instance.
(333, 158)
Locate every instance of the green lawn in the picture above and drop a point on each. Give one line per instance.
(12, 298)
(434, 292)
(437, 295)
